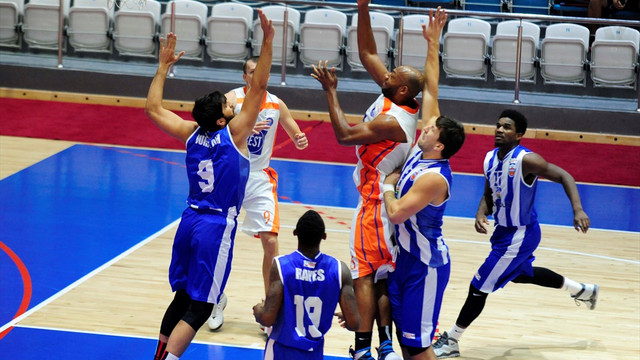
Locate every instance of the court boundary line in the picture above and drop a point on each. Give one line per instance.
(88, 276)
(129, 336)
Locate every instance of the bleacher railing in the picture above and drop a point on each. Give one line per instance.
(402, 10)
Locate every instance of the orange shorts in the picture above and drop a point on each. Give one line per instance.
(372, 246)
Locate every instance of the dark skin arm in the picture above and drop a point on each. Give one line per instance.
(266, 312)
(484, 209)
(349, 317)
(383, 127)
(535, 165)
(367, 49)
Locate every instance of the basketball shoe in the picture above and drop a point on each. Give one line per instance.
(385, 352)
(216, 319)
(363, 354)
(446, 347)
(588, 295)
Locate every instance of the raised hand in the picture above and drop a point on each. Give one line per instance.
(267, 26)
(261, 125)
(433, 31)
(167, 54)
(326, 77)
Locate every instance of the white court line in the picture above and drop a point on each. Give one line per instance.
(254, 346)
(86, 277)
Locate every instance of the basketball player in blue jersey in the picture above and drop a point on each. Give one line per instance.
(217, 164)
(417, 285)
(511, 177)
(305, 287)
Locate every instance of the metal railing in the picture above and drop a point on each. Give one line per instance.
(402, 10)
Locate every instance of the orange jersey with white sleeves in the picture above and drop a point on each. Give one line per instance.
(377, 160)
(261, 145)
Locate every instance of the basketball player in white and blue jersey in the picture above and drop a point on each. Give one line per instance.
(305, 288)
(416, 199)
(511, 177)
(217, 163)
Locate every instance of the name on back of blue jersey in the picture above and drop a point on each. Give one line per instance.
(309, 275)
(203, 140)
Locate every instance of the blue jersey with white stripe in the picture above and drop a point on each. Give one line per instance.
(311, 293)
(513, 198)
(421, 234)
(217, 171)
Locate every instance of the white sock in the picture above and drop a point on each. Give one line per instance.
(456, 332)
(170, 356)
(571, 286)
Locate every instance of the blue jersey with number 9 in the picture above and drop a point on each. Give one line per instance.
(217, 171)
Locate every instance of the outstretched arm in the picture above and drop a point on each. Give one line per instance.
(367, 45)
(166, 120)
(383, 127)
(533, 163)
(243, 123)
(432, 32)
(291, 127)
(266, 312)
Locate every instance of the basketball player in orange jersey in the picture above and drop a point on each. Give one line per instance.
(383, 140)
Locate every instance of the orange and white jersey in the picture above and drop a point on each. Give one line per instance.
(261, 145)
(377, 160)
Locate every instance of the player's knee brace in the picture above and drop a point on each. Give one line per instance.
(175, 312)
(197, 314)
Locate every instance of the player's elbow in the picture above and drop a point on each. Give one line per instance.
(395, 219)
(152, 111)
(394, 215)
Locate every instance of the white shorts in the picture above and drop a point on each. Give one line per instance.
(261, 203)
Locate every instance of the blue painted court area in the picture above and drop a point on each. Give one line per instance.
(56, 344)
(609, 207)
(70, 214)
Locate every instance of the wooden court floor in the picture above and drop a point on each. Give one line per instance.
(519, 322)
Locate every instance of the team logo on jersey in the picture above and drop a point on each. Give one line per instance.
(408, 335)
(256, 141)
(309, 264)
(512, 167)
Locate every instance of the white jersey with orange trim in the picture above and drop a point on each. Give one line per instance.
(261, 196)
(371, 244)
(377, 160)
(261, 145)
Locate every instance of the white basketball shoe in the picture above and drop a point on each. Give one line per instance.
(216, 319)
(588, 295)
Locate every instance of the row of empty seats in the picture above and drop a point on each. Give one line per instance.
(231, 31)
(562, 56)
